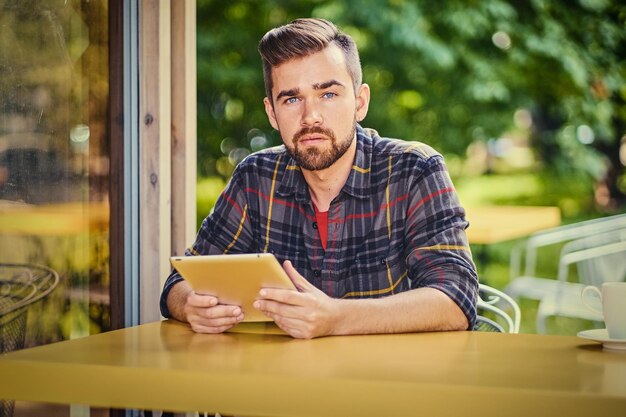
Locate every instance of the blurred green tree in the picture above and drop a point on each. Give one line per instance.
(446, 74)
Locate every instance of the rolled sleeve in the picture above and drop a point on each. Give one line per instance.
(439, 255)
(171, 280)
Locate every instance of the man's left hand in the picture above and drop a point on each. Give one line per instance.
(304, 314)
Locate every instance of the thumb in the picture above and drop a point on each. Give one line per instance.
(298, 280)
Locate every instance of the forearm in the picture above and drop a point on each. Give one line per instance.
(177, 299)
(422, 309)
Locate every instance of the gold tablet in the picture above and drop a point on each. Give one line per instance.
(234, 279)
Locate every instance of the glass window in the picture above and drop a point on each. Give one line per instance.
(54, 176)
(54, 166)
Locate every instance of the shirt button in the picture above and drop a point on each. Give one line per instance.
(315, 225)
(317, 273)
(383, 261)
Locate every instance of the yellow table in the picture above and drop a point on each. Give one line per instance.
(60, 219)
(164, 365)
(493, 224)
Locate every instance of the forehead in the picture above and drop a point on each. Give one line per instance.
(319, 67)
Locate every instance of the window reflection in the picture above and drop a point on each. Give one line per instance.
(54, 159)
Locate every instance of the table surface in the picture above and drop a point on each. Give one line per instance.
(493, 224)
(165, 366)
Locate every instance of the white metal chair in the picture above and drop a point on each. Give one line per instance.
(528, 285)
(598, 258)
(497, 312)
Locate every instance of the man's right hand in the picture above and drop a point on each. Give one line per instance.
(203, 312)
(206, 315)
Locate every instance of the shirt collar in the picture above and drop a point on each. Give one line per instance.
(357, 184)
(359, 180)
(293, 182)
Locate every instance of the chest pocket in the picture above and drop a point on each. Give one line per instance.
(378, 274)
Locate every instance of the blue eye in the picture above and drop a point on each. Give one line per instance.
(329, 95)
(291, 100)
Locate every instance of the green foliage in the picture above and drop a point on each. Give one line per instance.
(230, 80)
(446, 74)
(207, 190)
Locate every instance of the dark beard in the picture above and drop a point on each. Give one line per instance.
(314, 160)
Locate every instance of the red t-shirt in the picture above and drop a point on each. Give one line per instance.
(321, 218)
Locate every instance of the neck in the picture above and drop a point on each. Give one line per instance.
(325, 185)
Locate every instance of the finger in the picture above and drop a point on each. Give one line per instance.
(298, 280)
(282, 296)
(220, 311)
(211, 325)
(220, 315)
(201, 300)
(220, 322)
(274, 309)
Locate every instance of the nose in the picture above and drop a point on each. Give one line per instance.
(311, 115)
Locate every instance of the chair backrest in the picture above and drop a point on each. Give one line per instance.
(497, 312)
(24, 284)
(560, 234)
(20, 286)
(599, 258)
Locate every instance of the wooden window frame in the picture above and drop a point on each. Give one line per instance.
(166, 126)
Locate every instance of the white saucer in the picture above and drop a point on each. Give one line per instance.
(602, 336)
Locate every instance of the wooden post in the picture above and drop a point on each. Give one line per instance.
(154, 153)
(183, 124)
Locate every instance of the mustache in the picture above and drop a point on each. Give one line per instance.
(315, 129)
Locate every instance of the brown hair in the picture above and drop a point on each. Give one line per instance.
(304, 37)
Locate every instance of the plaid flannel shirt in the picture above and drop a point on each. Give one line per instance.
(396, 225)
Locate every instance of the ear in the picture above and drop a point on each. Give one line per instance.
(269, 110)
(362, 102)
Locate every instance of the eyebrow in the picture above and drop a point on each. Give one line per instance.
(324, 85)
(316, 86)
(288, 93)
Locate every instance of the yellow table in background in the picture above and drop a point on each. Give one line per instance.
(494, 224)
(60, 219)
(166, 366)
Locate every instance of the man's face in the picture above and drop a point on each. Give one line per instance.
(315, 108)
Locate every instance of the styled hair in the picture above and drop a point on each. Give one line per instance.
(304, 37)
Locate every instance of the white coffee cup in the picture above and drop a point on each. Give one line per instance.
(613, 297)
